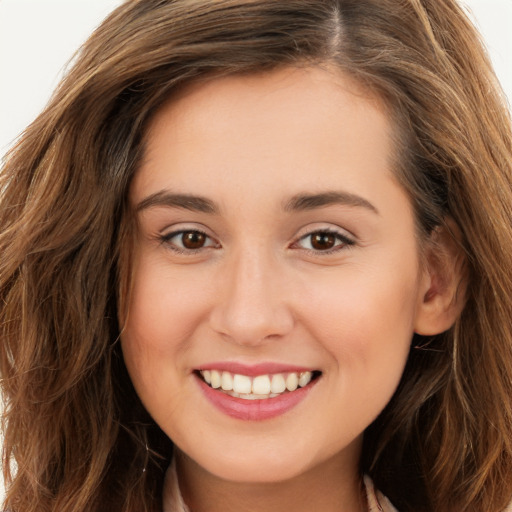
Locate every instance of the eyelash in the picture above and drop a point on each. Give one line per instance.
(342, 241)
(166, 239)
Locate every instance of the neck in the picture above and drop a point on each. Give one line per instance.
(332, 487)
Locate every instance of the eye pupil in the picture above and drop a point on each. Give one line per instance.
(323, 241)
(193, 240)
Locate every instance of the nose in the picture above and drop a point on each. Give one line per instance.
(251, 306)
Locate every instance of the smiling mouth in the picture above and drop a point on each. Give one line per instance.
(260, 387)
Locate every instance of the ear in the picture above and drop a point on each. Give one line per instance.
(444, 280)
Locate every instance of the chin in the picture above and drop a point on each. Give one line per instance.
(258, 467)
(260, 472)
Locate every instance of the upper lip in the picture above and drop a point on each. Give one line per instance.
(252, 370)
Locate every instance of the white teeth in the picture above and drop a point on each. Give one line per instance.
(278, 384)
(216, 380)
(292, 382)
(242, 384)
(227, 381)
(253, 397)
(256, 388)
(261, 385)
(305, 378)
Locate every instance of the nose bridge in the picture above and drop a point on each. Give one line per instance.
(252, 304)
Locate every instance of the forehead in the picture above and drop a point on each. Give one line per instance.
(299, 126)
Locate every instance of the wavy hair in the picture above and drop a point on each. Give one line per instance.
(76, 436)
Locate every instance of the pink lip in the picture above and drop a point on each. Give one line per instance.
(254, 410)
(254, 369)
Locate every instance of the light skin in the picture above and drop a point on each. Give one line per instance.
(271, 229)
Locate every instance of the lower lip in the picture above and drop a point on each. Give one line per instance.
(255, 410)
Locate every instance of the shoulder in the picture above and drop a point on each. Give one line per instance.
(377, 502)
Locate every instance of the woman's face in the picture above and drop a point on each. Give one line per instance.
(274, 247)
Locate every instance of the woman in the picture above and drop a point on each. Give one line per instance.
(262, 248)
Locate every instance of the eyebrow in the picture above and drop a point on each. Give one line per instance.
(299, 202)
(185, 201)
(304, 202)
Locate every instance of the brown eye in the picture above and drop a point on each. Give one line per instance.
(188, 241)
(323, 241)
(193, 239)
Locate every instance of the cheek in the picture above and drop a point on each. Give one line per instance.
(366, 326)
(378, 305)
(153, 338)
(164, 308)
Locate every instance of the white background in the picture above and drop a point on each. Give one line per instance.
(38, 37)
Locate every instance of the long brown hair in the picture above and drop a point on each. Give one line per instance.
(76, 436)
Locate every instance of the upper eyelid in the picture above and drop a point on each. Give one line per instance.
(171, 234)
(345, 240)
(173, 230)
(165, 240)
(181, 227)
(335, 230)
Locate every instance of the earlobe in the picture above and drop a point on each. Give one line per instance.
(442, 293)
